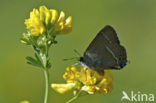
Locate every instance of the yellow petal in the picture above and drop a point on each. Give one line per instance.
(68, 22)
(27, 23)
(86, 76)
(37, 30)
(98, 76)
(62, 88)
(36, 12)
(48, 17)
(43, 9)
(60, 26)
(70, 74)
(32, 14)
(66, 29)
(67, 26)
(106, 84)
(35, 21)
(25, 101)
(90, 89)
(34, 32)
(54, 15)
(61, 17)
(36, 26)
(60, 22)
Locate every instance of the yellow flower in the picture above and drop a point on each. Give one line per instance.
(25, 101)
(62, 88)
(47, 20)
(71, 75)
(86, 80)
(34, 23)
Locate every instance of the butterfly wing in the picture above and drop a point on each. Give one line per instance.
(105, 51)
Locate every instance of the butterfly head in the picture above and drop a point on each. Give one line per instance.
(81, 59)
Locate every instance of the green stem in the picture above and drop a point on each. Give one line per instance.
(71, 100)
(74, 98)
(46, 74)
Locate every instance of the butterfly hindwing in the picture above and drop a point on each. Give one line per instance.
(105, 51)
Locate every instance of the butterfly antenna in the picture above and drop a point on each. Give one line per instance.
(70, 58)
(77, 52)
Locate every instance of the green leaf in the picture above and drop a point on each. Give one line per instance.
(38, 59)
(55, 42)
(33, 62)
(36, 65)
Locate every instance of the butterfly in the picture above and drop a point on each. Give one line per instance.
(105, 52)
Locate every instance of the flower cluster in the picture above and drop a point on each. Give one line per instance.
(47, 21)
(89, 81)
(46, 24)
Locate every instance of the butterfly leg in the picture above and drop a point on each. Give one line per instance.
(86, 73)
(76, 64)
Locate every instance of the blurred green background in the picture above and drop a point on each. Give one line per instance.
(134, 21)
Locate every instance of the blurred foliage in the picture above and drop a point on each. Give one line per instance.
(134, 21)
